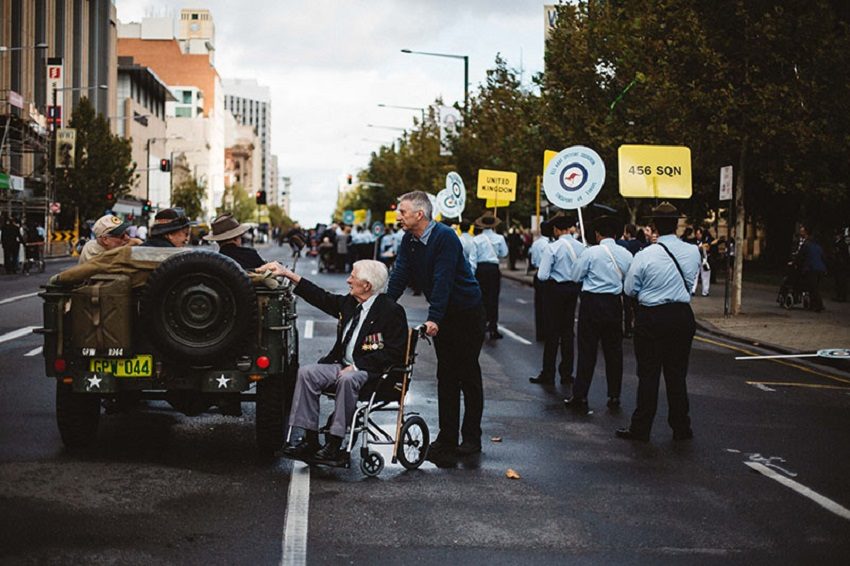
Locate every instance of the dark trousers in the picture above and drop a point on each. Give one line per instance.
(663, 337)
(559, 308)
(10, 257)
(599, 317)
(811, 283)
(490, 280)
(629, 306)
(539, 332)
(458, 344)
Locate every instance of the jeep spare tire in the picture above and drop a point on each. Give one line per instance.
(198, 307)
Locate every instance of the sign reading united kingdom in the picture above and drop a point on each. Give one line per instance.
(574, 177)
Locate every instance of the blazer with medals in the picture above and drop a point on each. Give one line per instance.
(382, 339)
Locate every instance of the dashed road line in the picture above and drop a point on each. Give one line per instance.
(514, 335)
(17, 333)
(296, 521)
(34, 351)
(762, 386)
(821, 500)
(793, 384)
(308, 329)
(18, 298)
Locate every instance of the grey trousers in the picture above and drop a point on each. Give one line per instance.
(314, 379)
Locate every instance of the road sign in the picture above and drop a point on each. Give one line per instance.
(574, 177)
(726, 183)
(835, 353)
(55, 208)
(655, 171)
(62, 235)
(54, 84)
(499, 185)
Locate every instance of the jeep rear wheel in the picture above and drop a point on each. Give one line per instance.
(77, 415)
(199, 307)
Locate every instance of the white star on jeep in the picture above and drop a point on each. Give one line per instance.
(94, 382)
(222, 382)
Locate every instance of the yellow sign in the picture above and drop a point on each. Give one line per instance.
(547, 157)
(390, 217)
(360, 216)
(63, 236)
(655, 171)
(496, 185)
(496, 203)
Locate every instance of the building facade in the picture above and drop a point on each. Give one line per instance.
(250, 104)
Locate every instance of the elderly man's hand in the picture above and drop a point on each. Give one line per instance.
(431, 328)
(281, 270)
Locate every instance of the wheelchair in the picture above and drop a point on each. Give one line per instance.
(791, 290)
(387, 394)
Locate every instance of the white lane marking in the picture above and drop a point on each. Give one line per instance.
(18, 298)
(762, 386)
(522, 301)
(514, 335)
(295, 522)
(824, 502)
(17, 333)
(314, 272)
(34, 351)
(308, 329)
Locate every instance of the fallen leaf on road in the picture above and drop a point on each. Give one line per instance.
(512, 475)
(496, 439)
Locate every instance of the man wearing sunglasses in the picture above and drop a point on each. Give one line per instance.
(110, 232)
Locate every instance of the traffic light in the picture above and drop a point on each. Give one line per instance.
(146, 207)
(392, 206)
(110, 197)
(349, 178)
(165, 165)
(261, 197)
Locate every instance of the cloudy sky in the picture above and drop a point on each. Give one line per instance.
(330, 63)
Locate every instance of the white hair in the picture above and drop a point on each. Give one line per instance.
(419, 201)
(373, 272)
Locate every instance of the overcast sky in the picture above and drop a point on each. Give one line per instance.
(330, 63)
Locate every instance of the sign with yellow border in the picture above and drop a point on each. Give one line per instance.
(655, 171)
(499, 185)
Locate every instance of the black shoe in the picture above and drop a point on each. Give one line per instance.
(469, 447)
(566, 379)
(542, 380)
(629, 435)
(332, 454)
(495, 335)
(613, 402)
(576, 404)
(683, 435)
(442, 454)
(303, 450)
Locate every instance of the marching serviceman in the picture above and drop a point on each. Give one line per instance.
(489, 248)
(561, 289)
(662, 276)
(535, 253)
(601, 271)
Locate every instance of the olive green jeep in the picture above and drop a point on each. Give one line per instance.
(189, 327)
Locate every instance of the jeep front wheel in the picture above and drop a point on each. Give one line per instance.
(77, 415)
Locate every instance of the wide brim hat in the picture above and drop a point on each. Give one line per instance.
(167, 221)
(607, 225)
(665, 210)
(487, 221)
(225, 227)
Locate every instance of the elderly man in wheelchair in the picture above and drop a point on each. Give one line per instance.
(371, 336)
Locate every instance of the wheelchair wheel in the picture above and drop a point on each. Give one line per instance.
(372, 464)
(788, 301)
(414, 442)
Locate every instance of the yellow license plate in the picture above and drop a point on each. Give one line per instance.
(139, 366)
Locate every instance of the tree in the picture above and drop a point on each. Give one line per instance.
(103, 165)
(238, 202)
(278, 218)
(190, 196)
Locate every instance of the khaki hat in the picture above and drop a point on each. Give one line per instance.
(665, 210)
(109, 225)
(487, 221)
(225, 227)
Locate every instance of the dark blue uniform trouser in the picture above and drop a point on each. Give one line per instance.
(559, 307)
(599, 320)
(490, 280)
(539, 331)
(663, 337)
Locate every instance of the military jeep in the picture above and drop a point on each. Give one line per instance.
(188, 327)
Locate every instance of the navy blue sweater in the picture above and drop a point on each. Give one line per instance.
(439, 269)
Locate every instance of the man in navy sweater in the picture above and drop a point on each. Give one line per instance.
(431, 258)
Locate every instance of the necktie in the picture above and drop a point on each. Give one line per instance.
(354, 320)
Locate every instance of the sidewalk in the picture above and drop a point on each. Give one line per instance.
(762, 321)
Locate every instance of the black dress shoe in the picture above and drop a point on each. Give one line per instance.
(629, 435)
(495, 335)
(613, 402)
(469, 447)
(576, 404)
(542, 380)
(683, 435)
(332, 454)
(442, 454)
(303, 450)
(566, 379)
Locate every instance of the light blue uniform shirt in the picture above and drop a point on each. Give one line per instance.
(535, 252)
(557, 263)
(653, 277)
(489, 247)
(466, 240)
(596, 269)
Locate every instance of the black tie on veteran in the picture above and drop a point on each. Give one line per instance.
(371, 337)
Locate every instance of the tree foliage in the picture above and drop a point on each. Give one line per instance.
(190, 196)
(238, 202)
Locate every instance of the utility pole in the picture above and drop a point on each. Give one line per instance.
(740, 220)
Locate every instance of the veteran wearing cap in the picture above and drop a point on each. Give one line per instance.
(110, 232)
(227, 232)
(170, 229)
(490, 247)
(661, 277)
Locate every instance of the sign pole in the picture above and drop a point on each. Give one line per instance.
(537, 203)
(581, 226)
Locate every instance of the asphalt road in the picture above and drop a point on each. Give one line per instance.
(160, 487)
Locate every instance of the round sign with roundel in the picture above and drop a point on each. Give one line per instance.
(835, 353)
(574, 177)
(378, 229)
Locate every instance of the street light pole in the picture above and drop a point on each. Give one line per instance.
(422, 110)
(451, 56)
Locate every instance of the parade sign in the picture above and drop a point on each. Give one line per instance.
(574, 177)
(377, 229)
(496, 185)
(726, 183)
(348, 217)
(390, 217)
(655, 171)
(495, 203)
(360, 216)
(452, 200)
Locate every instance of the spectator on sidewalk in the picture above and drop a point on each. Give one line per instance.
(812, 266)
(11, 239)
(704, 277)
(514, 241)
(841, 263)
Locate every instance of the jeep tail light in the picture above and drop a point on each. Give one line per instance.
(263, 362)
(59, 365)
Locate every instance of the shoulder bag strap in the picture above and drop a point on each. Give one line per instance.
(676, 263)
(614, 261)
